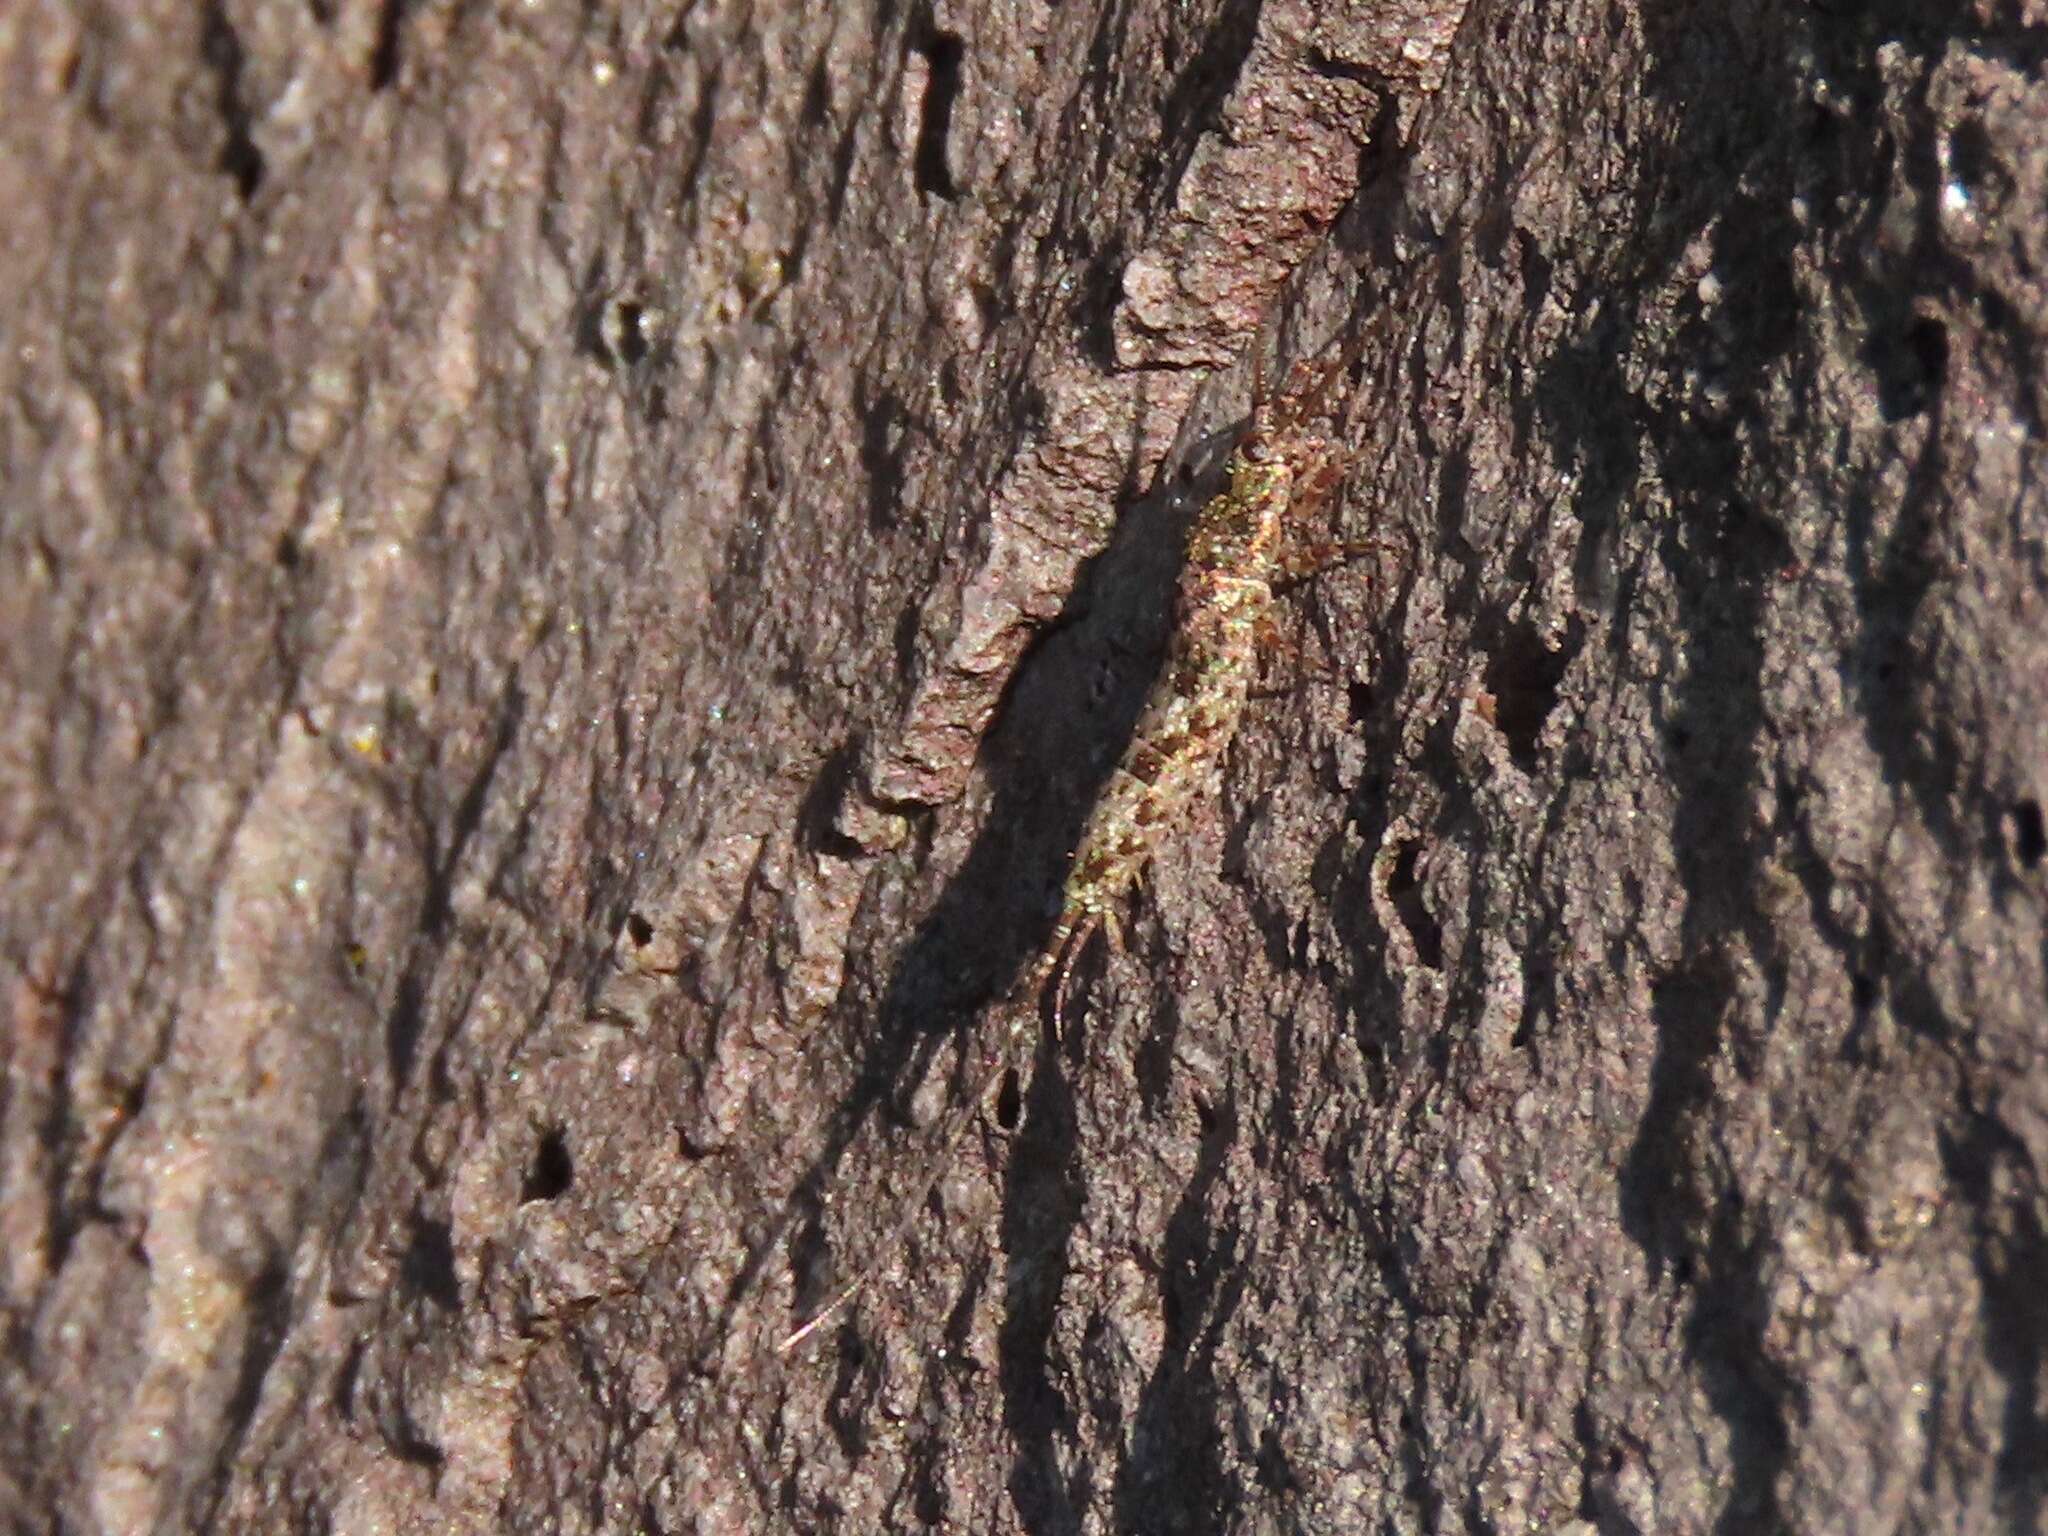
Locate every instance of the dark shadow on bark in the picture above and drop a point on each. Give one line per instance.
(1041, 1207)
(1060, 731)
(1176, 1484)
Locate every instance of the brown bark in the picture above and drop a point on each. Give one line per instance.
(570, 573)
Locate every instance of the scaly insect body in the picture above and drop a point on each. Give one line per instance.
(1245, 539)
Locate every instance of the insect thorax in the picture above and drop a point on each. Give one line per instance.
(1239, 530)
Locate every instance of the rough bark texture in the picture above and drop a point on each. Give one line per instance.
(570, 573)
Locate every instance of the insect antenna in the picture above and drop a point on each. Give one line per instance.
(1069, 952)
(1025, 1006)
(952, 1129)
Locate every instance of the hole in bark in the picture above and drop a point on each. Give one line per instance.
(1910, 369)
(631, 329)
(639, 931)
(343, 1396)
(552, 1170)
(942, 53)
(384, 52)
(429, 1266)
(239, 156)
(1973, 163)
(1404, 890)
(1523, 677)
(2029, 838)
(1862, 992)
(1539, 988)
(1009, 1102)
(909, 625)
(816, 111)
(885, 427)
(244, 162)
(1275, 1475)
(409, 1445)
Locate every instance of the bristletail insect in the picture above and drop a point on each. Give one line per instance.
(1248, 538)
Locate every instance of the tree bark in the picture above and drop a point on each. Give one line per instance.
(571, 574)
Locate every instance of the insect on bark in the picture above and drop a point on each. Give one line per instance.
(1248, 538)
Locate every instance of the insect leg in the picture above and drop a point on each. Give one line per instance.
(1071, 953)
(1312, 557)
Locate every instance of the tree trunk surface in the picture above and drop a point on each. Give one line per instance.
(571, 576)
